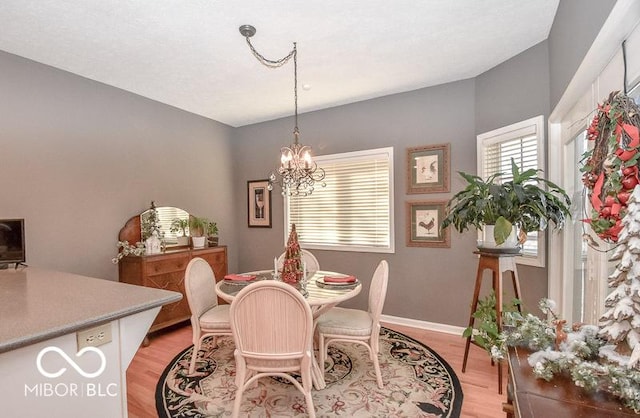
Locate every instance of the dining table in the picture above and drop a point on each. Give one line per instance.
(320, 293)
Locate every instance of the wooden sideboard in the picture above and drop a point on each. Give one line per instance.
(166, 271)
(529, 397)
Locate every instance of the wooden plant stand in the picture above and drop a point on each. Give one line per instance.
(498, 263)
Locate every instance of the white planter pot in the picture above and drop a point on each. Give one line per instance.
(198, 242)
(183, 241)
(487, 241)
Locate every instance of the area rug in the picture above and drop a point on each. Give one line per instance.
(418, 383)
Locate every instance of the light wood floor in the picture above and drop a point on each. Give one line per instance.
(479, 382)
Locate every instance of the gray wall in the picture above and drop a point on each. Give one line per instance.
(429, 284)
(513, 91)
(576, 25)
(516, 90)
(79, 158)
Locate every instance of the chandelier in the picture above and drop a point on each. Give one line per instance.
(298, 172)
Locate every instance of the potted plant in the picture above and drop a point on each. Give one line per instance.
(525, 203)
(197, 227)
(180, 224)
(212, 233)
(485, 334)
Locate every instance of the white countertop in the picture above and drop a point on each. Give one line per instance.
(37, 304)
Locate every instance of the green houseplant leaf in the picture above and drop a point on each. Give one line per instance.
(527, 202)
(197, 226)
(502, 230)
(486, 334)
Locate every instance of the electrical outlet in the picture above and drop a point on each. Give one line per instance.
(94, 337)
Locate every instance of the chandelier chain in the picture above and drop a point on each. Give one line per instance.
(298, 172)
(277, 64)
(267, 62)
(296, 131)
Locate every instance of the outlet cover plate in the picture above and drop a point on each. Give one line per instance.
(94, 337)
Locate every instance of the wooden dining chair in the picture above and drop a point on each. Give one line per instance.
(357, 326)
(307, 257)
(207, 317)
(272, 327)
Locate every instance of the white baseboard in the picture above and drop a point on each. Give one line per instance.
(430, 326)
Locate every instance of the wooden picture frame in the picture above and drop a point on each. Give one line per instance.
(423, 225)
(428, 169)
(258, 204)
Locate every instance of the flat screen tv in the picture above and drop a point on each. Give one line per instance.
(12, 244)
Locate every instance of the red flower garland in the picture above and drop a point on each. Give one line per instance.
(611, 167)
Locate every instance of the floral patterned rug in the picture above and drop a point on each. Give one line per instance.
(418, 383)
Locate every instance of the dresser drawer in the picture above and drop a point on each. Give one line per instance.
(214, 258)
(213, 254)
(166, 265)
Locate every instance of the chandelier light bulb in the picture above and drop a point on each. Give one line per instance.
(307, 159)
(285, 159)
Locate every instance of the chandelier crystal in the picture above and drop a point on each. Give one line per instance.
(298, 172)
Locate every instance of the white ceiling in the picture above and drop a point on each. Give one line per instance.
(190, 54)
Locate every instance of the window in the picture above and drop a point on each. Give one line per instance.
(354, 212)
(524, 142)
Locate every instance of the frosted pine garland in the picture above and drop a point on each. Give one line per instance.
(578, 357)
(620, 324)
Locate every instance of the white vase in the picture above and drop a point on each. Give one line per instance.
(198, 242)
(487, 241)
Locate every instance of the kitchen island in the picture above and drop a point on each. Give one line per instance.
(66, 341)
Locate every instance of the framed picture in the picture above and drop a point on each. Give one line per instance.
(259, 203)
(428, 169)
(423, 225)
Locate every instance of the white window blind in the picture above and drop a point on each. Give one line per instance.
(522, 142)
(354, 212)
(497, 158)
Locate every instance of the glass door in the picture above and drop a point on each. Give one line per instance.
(575, 247)
(586, 264)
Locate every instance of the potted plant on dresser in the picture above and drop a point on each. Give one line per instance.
(197, 227)
(506, 211)
(211, 231)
